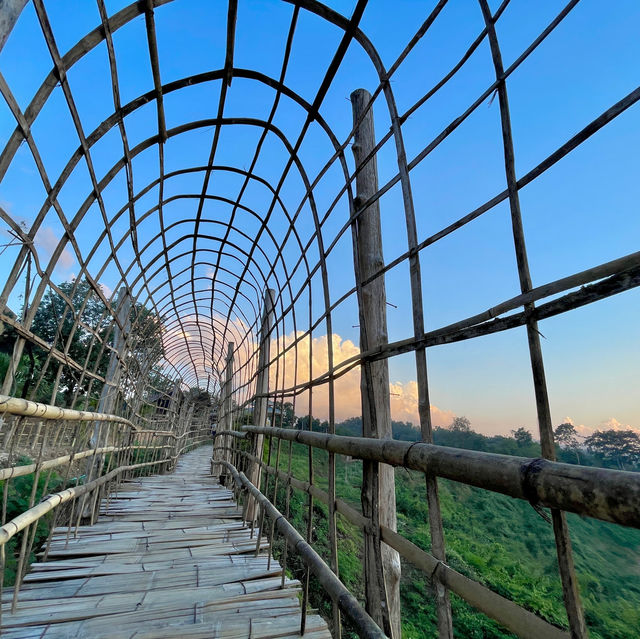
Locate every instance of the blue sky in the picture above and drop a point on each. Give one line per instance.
(582, 212)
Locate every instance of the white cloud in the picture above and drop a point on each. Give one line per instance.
(404, 405)
(47, 241)
(610, 424)
(403, 398)
(308, 360)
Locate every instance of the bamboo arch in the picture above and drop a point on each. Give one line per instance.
(227, 306)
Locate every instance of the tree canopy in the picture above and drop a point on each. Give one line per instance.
(89, 344)
(619, 446)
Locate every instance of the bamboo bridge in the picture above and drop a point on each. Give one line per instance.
(157, 430)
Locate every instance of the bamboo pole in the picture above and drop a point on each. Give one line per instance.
(32, 515)
(602, 493)
(109, 392)
(261, 401)
(522, 622)
(27, 408)
(365, 625)
(226, 418)
(381, 563)
(570, 588)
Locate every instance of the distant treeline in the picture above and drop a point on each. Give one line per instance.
(619, 449)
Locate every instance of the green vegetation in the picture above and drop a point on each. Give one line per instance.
(54, 323)
(18, 494)
(501, 542)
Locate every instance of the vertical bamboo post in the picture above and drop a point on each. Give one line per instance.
(109, 391)
(173, 413)
(382, 564)
(261, 401)
(570, 589)
(227, 406)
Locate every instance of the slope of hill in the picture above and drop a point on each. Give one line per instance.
(502, 542)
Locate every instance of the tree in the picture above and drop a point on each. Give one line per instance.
(288, 416)
(303, 423)
(522, 436)
(54, 321)
(619, 446)
(460, 425)
(566, 435)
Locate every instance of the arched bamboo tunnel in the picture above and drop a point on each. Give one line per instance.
(198, 237)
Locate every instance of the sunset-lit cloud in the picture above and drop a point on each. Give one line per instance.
(403, 396)
(306, 359)
(404, 405)
(609, 424)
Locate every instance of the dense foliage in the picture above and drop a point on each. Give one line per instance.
(88, 345)
(19, 493)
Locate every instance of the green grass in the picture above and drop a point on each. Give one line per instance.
(18, 493)
(499, 541)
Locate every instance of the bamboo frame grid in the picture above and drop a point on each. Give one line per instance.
(226, 306)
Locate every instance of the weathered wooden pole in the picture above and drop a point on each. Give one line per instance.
(109, 393)
(172, 411)
(9, 13)
(227, 406)
(261, 400)
(382, 563)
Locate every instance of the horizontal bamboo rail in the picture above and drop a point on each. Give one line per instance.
(27, 408)
(522, 622)
(610, 495)
(53, 501)
(27, 469)
(364, 624)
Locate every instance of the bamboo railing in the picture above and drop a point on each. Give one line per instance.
(608, 495)
(102, 452)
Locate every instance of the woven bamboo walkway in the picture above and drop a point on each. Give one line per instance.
(170, 557)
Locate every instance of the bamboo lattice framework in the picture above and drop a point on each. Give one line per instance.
(192, 250)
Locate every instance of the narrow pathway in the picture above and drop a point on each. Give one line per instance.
(169, 558)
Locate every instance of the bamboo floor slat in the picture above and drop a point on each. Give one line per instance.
(169, 557)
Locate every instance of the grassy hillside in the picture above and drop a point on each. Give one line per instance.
(499, 541)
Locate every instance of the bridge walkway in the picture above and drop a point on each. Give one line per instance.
(170, 557)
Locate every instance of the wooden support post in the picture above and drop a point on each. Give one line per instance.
(109, 393)
(382, 563)
(226, 420)
(261, 401)
(173, 412)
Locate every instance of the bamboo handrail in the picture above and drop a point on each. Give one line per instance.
(53, 501)
(365, 625)
(27, 408)
(602, 493)
(506, 612)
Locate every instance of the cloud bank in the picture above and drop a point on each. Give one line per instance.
(307, 359)
(312, 360)
(609, 424)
